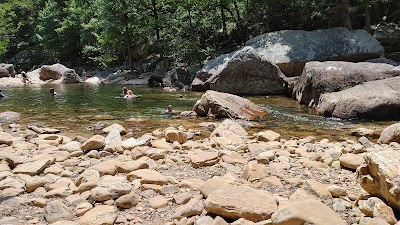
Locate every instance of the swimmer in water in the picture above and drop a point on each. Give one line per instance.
(130, 95)
(53, 92)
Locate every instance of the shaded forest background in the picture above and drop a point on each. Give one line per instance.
(103, 33)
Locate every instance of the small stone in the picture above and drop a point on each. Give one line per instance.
(82, 208)
(158, 202)
(56, 211)
(336, 191)
(127, 201)
(351, 161)
(101, 214)
(182, 198)
(93, 143)
(268, 135)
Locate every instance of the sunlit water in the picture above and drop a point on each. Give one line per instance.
(81, 109)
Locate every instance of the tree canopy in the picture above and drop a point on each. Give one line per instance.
(101, 33)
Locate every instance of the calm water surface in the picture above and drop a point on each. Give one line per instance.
(81, 108)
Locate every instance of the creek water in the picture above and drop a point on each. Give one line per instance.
(83, 109)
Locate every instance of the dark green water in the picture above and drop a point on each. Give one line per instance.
(79, 108)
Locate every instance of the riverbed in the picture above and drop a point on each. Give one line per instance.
(82, 109)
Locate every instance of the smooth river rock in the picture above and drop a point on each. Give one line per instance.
(242, 72)
(101, 214)
(378, 100)
(241, 202)
(9, 117)
(390, 134)
(223, 105)
(333, 76)
(110, 187)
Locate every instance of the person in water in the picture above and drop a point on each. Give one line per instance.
(2, 95)
(130, 95)
(53, 92)
(124, 91)
(83, 75)
(169, 110)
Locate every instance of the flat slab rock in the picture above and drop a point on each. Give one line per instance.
(101, 214)
(380, 176)
(306, 212)
(110, 187)
(32, 168)
(224, 105)
(236, 202)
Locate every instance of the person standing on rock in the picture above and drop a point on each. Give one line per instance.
(83, 75)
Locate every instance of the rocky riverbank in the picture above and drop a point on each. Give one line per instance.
(171, 176)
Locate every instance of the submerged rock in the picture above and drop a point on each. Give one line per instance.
(9, 117)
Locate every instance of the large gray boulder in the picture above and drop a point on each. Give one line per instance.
(180, 77)
(291, 49)
(223, 105)
(244, 72)
(380, 176)
(378, 100)
(332, 76)
(59, 72)
(9, 117)
(7, 70)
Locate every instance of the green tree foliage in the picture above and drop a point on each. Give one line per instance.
(101, 33)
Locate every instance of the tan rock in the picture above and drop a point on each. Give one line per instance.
(88, 176)
(175, 135)
(192, 208)
(390, 134)
(254, 172)
(161, 144)
(61, 192)
(82, 208)
(113, 138)
(381, 210)
(241, 202)
(32, 168)
(299, 213)
(129, 166)
(6, 138)
(364, 132)
(127, 201)
(212, 185)
(351, 161)
(379, 177)
(105, 168)
(372, 221)
(101, 214)
(182, 198)
(115, 126)
(148, 176)
(268, 135)
(39, 202)
(231, 130)
(65, 222)
(301, 194)
(316, 188)
(200, 158)
(56, 211)
(336, 191)
(13, 183)
(31, 183)
(219, 221)
(72, 146)
(158, 202)
(93, 143)
(110, 187)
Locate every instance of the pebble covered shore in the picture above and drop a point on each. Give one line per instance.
(172, 176)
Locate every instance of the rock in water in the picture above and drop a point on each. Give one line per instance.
(224, 105)
(380, 176)
(59, 72)
(241, 202)
(332, 76)
(244, 72)
(9, 117)
(378, 100)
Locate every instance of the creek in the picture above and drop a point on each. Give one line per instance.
(83, 109)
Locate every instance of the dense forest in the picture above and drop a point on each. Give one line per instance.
(103, 33)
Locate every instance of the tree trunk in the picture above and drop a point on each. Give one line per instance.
(129, 46)
(155, 16)
(368, 19)
(346, 14)
(239, 19)
(223, 17)
(190, 20)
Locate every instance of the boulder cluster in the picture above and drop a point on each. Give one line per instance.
(176, 176)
